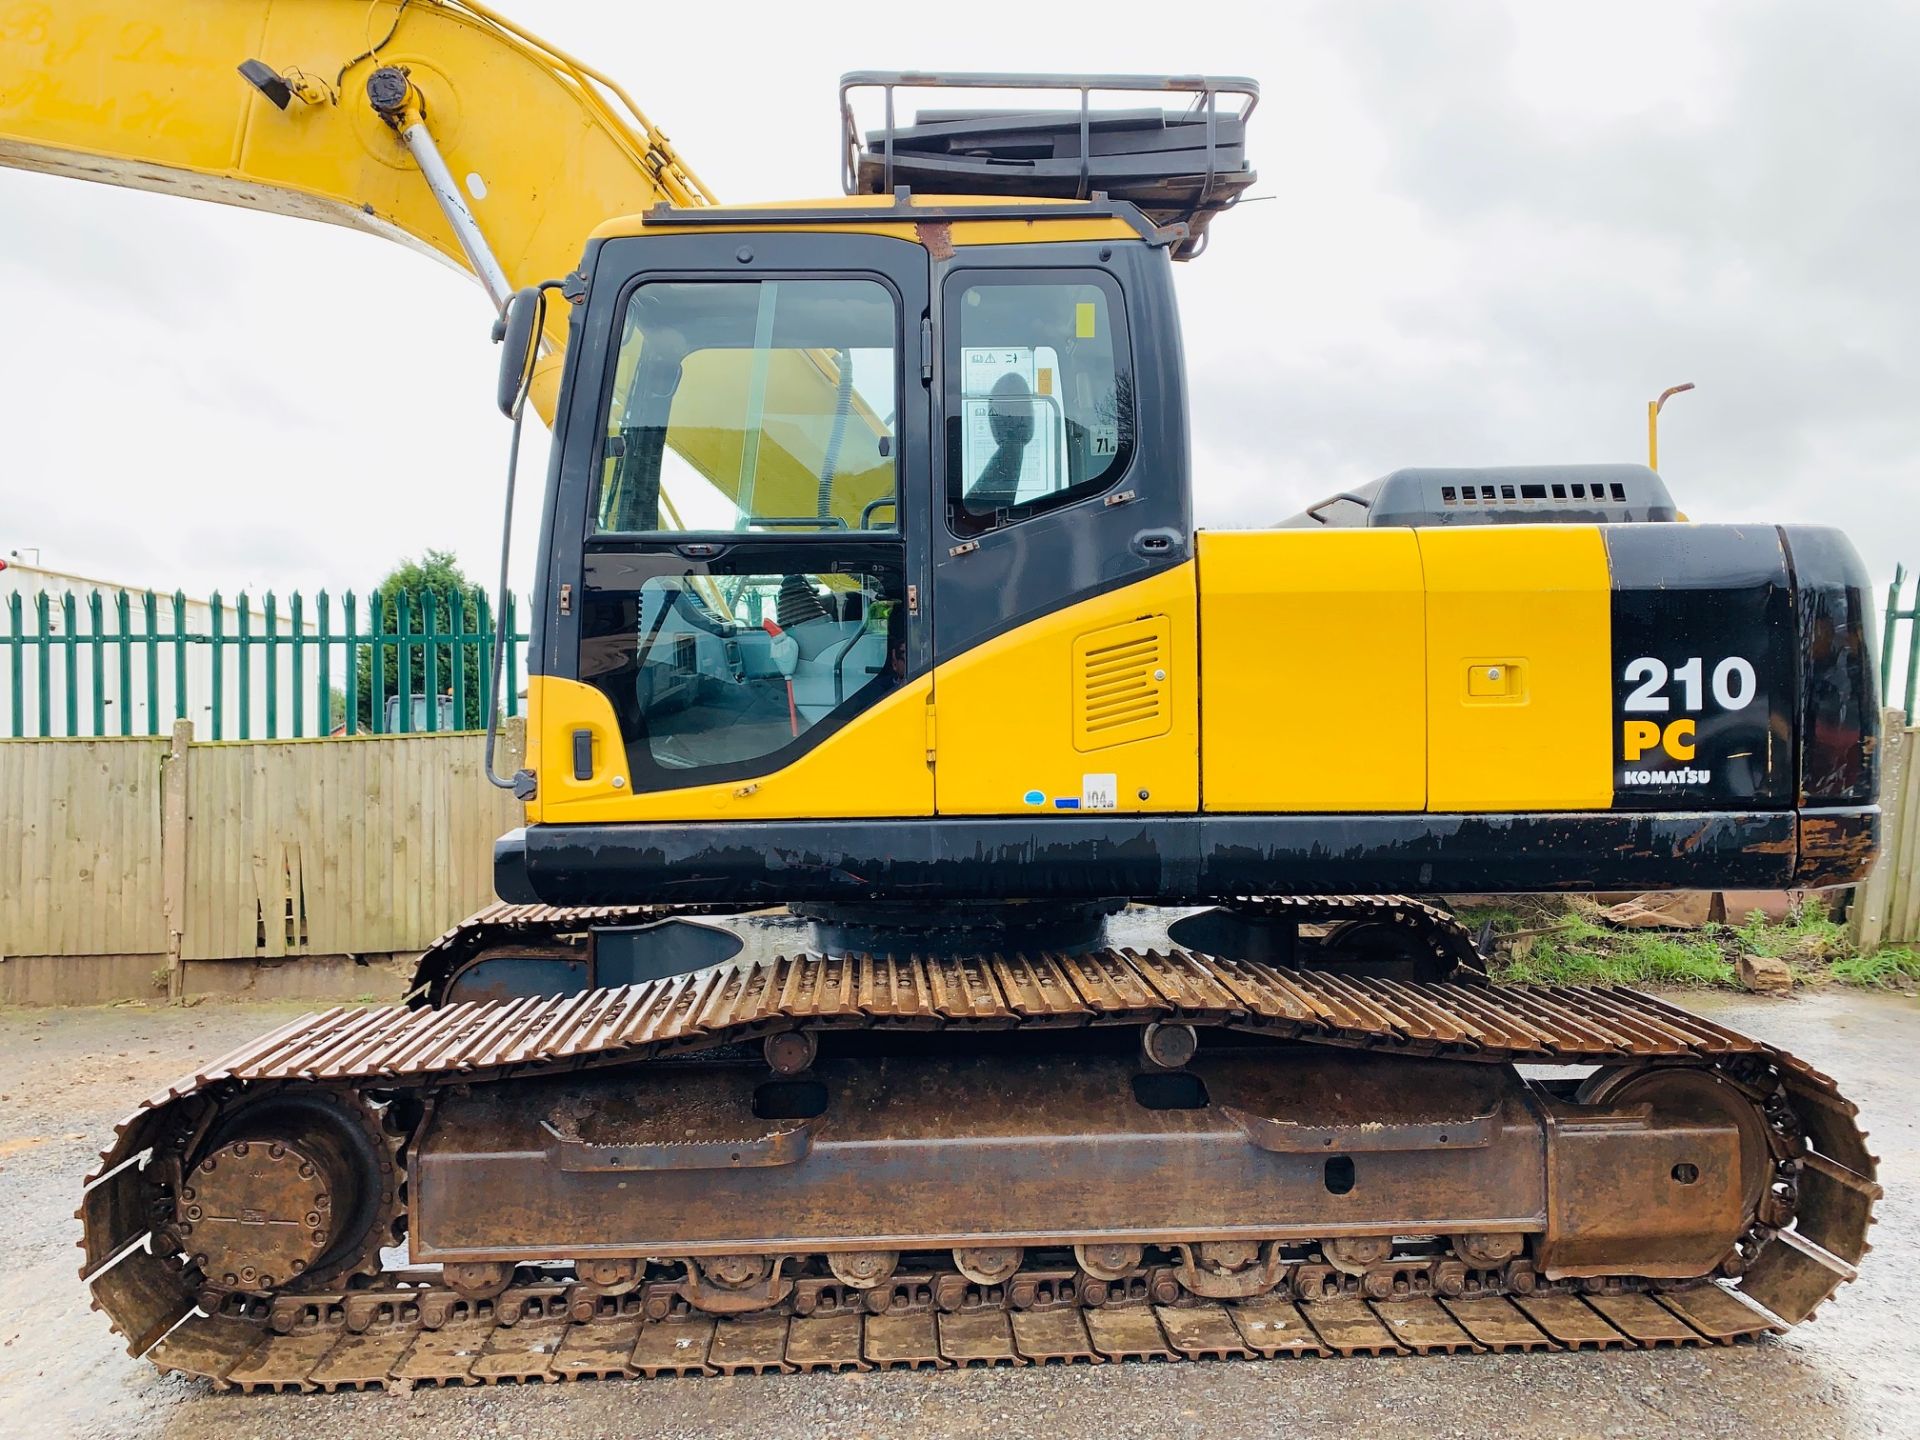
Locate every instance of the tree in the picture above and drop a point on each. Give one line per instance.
(436, 594)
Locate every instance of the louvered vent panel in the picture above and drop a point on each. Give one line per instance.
(1121, 684)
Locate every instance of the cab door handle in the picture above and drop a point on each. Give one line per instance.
(1158, 542)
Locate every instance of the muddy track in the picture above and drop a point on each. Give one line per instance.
(401, 1326)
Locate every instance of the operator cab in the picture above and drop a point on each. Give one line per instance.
(809, 452)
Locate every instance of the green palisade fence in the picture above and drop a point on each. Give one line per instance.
(1891, 646)
(119, 662)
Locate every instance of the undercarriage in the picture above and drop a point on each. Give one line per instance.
(852, 1161)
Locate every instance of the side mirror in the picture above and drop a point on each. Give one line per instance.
(518, 329)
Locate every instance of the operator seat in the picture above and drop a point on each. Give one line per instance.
(1010, 419)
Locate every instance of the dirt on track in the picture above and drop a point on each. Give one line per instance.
(67, 1076)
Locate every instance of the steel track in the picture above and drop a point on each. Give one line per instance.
(1824, 1184)
(521, 928)
(374, 1339)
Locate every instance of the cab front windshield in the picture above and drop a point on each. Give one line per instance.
(753, 406)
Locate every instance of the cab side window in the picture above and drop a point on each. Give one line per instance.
(1039, 393)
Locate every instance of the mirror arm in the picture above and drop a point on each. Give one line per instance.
(524, 318)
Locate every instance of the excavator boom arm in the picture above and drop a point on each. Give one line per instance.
(538, 146)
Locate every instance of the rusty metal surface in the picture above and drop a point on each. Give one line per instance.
(557, 931)
(503, 924)
(741, 1001)
(678, 1173)
(311, 1341)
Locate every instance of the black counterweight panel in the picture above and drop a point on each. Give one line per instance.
(1705, 669)
(1839, 699)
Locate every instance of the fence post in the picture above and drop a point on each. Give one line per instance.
(430, 626)
(97, 662)
(16, 667)
(350, 620)
(68, 642)
(457, 622)
(272, 622)
(1868, 915)
(42, 629)
(173, 852)
(377, 672)
(150, 616)
(180, 661)
(296, 642)
(123, 622)
(403, 631)
(324, 700)
(217, 608)
(243, 637)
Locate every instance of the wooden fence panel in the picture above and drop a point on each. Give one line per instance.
(1886, 910)
(1903, 852)
(80, 865)
(340, 846)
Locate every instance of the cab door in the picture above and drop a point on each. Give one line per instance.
(1063, 593)
(741, 640)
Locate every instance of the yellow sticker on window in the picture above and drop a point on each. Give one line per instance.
(1083, 320)
(1045, 382)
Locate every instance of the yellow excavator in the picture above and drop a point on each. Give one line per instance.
(959, 917)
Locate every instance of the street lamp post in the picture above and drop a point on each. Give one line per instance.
(1653, 422)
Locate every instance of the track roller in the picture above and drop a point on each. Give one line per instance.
(478, 1279)
(1356, 1254)
(990, 1264)
(1484, 1252)
(863, 1269)
(1108, 1262)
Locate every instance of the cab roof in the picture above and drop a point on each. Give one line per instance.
(961, 219)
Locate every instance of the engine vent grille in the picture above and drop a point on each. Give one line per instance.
(1121, 684)
(1558, 493)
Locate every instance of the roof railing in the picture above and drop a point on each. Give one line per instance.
(1182, 182)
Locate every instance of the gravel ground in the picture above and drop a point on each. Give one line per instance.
(66, 1076)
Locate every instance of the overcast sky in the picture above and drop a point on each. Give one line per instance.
(1494, 232)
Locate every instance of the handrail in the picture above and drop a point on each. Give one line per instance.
(1203, 87)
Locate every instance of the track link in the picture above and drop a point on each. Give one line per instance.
(1810, 1233)
(527, 1335)
(505, 926)
(561, 931)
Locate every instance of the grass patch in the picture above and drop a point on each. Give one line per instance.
(1809, 934)
(1560, 941)
(1884, 969)
(1590, 955)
